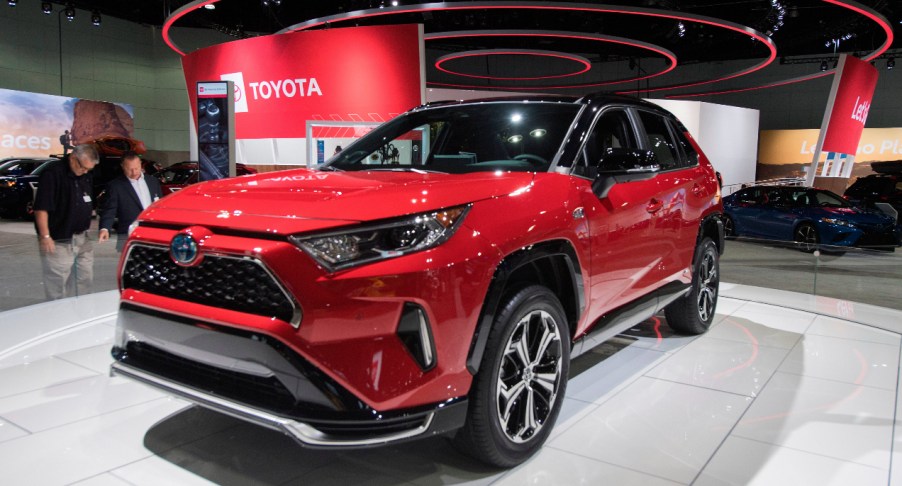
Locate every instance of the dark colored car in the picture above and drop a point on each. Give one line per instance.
(435, 277)
(18, 181)
(810, 217)
(182, 174)
(883, 187)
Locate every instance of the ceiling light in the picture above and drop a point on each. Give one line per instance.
(823, 65)
(70, 13)
(394, 3)
(12, 3)
(95, 18)
(538, 133)
(515, 138)
(890, 63)
(46, 7)
(516, 118)
(210, 6)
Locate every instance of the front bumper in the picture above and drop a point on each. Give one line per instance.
(255, 378)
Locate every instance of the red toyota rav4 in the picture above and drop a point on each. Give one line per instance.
(436, 276)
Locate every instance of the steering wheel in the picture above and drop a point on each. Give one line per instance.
(535, 160)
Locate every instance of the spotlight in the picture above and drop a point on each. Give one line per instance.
(46, 7)
(12, 3)
(890, 63)
(95, 18)
(70, 13)
(210, 6)
(394, 3)
(823, 65)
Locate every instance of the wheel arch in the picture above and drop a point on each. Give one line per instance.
(711, 226)
(553, 264)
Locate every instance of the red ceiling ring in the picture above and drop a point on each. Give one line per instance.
(556, 7)
(580, 7)
(847, 4)
(181, 12)
(585, 64)
(668, 55)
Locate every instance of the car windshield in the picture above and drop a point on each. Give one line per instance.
(18, 167)
(515, 136)
(176, 176)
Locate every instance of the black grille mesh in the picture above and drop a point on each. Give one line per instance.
(229, 283)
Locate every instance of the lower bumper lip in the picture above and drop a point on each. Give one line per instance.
(302, 432)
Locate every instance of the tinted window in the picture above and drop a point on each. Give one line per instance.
(660, 141)
(689, 152)
(612, 131)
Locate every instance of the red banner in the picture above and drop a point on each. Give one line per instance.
(359, 74)
(851, 104)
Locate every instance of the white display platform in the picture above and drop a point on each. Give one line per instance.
(784, 389)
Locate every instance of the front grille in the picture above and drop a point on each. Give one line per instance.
(234, 283)
(267, 392)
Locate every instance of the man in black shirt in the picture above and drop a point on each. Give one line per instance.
(62, 215)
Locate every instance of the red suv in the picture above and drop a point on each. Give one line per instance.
(436, 276)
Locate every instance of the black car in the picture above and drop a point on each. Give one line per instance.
(18, 181)
(883, 187)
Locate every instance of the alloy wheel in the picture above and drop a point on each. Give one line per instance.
(806, 236)
(529, 376)
(708, 284)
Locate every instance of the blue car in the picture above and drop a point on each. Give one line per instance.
(18, 181)
(810, 217)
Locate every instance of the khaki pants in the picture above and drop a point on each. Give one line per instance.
(69, 270)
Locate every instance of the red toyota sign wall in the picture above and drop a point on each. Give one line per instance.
(850, 106)
(360, 74)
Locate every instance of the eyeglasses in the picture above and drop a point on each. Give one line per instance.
(82, 165)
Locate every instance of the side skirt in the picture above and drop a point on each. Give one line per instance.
(622, 318)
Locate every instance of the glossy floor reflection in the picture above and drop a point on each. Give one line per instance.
(784, 389)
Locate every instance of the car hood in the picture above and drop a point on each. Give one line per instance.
(305, 200)
(857, 215)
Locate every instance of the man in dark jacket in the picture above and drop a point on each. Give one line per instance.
(127, 195)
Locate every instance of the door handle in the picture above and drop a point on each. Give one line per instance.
(654, 206)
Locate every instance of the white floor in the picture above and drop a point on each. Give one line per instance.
(784, 389)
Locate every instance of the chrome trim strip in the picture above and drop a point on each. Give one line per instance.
(296, 314)
(302, 432)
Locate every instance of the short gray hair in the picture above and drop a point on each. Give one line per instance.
(88, 150)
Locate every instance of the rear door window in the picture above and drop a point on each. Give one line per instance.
(660, 140)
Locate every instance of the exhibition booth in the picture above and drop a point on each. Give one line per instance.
(796, 382)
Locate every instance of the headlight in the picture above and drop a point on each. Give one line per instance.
(9, 183)
(359, 245)
(840, 222)
(132, 227)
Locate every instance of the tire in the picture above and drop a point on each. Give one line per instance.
(693, 313)
(729, 227)
(517, 394)
(805, 236)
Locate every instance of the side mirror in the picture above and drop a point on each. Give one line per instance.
(618, 166)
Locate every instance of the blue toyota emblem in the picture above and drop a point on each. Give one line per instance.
(183, 249)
